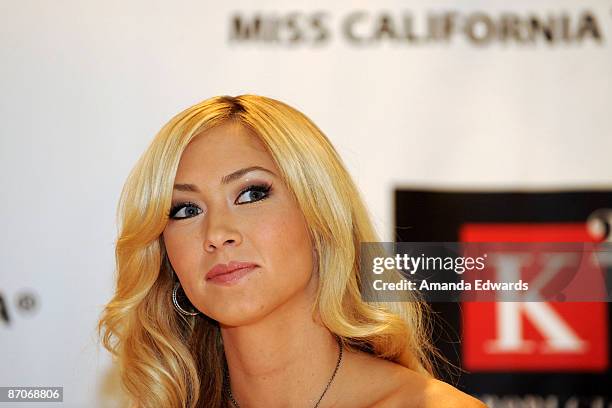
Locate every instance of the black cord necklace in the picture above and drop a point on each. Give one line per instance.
(231, 397)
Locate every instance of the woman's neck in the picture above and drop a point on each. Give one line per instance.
(284, 359)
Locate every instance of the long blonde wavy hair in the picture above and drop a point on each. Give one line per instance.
(168, 360)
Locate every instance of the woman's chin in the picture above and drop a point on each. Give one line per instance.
(237, 316)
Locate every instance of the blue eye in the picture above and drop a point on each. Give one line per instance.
(257, 192)
(185, 209)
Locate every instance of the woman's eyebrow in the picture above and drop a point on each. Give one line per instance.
(239, 173)
(224, 180)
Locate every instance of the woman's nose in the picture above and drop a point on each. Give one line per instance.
(220, 230)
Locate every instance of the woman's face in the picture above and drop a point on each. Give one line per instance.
(231, 215)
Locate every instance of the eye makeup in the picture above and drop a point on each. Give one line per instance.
(179, 207)
(260, 191)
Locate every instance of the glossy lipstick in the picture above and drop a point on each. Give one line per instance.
(229, 273)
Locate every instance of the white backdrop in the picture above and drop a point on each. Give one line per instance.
(86, 85)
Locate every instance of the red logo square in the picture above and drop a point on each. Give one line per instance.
(533, 336)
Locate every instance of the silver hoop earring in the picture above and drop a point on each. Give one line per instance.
(176, 304)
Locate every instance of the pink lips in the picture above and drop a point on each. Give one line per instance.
(234, 270)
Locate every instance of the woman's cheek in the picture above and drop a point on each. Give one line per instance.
(267, 230)
(181, 254)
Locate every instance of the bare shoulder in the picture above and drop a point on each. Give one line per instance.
(438, 394)
(420, 391)
(390, 385)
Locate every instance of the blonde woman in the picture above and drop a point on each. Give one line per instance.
(237, 274)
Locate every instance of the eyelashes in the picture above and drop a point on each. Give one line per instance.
(180, 207)
(262, 190)
(257, 192)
